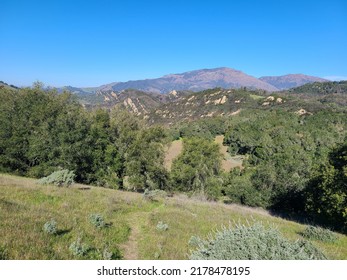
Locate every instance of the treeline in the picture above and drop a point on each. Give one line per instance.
(292, 163)
(42, 131)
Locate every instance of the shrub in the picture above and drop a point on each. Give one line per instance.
(59, 178)
(319, 233)
(106, 254)
(251, 243)
(111, 254)
(78, 249)
(154, 195)
(50, 227)
(97, 220)
(162, 226)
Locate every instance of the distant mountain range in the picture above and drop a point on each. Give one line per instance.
(195, 81)
(203, 79)
(290, 81)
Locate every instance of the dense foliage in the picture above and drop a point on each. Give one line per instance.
(197, 168)
(326, 195)
(42, 132)
(282, 150)
(206, 128)
(322, 88)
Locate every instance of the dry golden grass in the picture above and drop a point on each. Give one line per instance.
(228, 162)
(173, 151)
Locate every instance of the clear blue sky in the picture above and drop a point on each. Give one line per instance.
(89, 43)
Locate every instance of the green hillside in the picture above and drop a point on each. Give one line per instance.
(131, 231)
(224, 103)
(322, 88)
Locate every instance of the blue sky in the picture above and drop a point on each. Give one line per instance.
(89, 43)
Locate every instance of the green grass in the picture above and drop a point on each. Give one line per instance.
(256, 97)
(26, 206)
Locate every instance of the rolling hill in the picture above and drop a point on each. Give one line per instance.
(220, 102)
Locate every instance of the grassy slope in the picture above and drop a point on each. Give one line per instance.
(26, 206)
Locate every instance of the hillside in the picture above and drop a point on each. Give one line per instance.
(333, 93)
(135, 101)
(7, 86)
(324, 88)
(224, 103)
(132, 222)
(173, 86)
(290, 81)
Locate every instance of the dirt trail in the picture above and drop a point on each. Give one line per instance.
(131, 248)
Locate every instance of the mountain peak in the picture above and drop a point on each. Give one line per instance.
(196, 80)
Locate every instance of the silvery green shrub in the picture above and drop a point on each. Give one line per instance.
(154, 195)
(59, 178)
(97, 220)
(162, 226)
(254, 242)
(106, 254)
(78, 249)
(50, 227)
(319, 233)
(110, 254)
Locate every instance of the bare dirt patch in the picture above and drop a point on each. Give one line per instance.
(173, 151)
(228, 161)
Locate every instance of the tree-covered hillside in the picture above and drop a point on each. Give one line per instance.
(292, 149)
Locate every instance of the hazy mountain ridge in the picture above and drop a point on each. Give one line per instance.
(290, 80)
(196, 80)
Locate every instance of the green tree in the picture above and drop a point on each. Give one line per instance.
(145, 160)
(326, 195)
(195, 168)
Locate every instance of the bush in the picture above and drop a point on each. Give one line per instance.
(319, 233)
(111, 254)
(154, 195)
(78, 249)
(59, 178)
(252, 243)
(50, 227)
(162, 226)
(97, 220)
